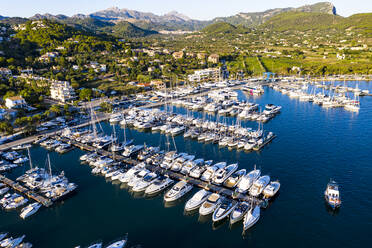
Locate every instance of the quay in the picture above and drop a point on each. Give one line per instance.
(171, 174)
(29, 193)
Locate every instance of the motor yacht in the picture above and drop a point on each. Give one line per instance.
(129, 174)
(211, 170)
(177, 191)
(138, 177)
(197, 200)
(158, 185)
(332, 195)
(223, 173)
(190, 164)
(3, 236)
(235, 178)
(180, 162)
(30, 210)
(251, 217)
(224, 209)
(12, 243)
(259, 185)
(4, 190)
(117, 174)
(212, 202)
(271, 189)
(118, 244)
(141, 185)
(239, 211)
(247, 181)
(132, 150)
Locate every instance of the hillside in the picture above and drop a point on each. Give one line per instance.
(223, 28)
(129, 30)
(257, 18)
(302, 21)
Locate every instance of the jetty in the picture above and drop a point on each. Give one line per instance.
(24, 191)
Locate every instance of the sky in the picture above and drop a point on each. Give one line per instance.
(195, 9)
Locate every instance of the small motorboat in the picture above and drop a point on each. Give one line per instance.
(222, 211)
(259, 185)
(213, 201)
(271, 189)
(197, 200)
(177, 191)
(159, 185)
(30, 210)
(118, 244)
(239, 212)
(251, 217)
(332, 195)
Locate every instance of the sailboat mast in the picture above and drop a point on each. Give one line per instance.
(50, 167)
(29, 157)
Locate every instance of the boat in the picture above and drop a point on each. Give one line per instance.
(251, 217)
(211, 170)
(132, 150)
(177, 191)
(21, 147)
(332, 195)
(223, 173)
(213, 201)
(239, 211)
(30, 210)
(259, 185)
(224, 209)
(12, 243)
(21, 160)
(4, 190)
(235, 178)
(3, 236)
(197, 200)
(96, 245)
(129, 174)
(118, 244)
(190, 164)
(158, 185)
(247, 181)
(138, 176)
(271, 189)
(145, 182)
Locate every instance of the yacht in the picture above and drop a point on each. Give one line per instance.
(180, 161)
(223, 173)
(189, 165)
(118, 244)
(3, 236)
(16, 202)
(235, 178)
(213, 201)
(177, 191)
(145, 182)
(117, 174)
(159, 185)
(251, 217)
(138, 177)
(332, 195)
(271, 189)
(259, 185)
(30, 210)
(21, 160)
(129, 174)
(12, 243)
(96, 245)
(211, 170)
(247, 181)
(132, 150)
(197, 200)
(222, 211)
(239, 211)
(4, 190)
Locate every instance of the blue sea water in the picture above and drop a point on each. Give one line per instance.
(313, 144)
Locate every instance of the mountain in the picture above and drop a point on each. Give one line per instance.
(2, 17)
(223, 28)
(48, 16)
(257, 18)
(129, 30)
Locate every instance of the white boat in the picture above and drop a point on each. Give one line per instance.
(3, 236)
(224, 209)
(4, 190)
(97, 245)
(213, 201)
(130, 173)
(159, 185)
(235, 178)
(12, 243)
(138, 177)
(132, 150)
(239, 211)
(197, 200)
(177, 191)
(21, 160)
(259, 185)
(223, 173)
(271, 189)
(145, 182)
(21, 147)
(247, 181)
(332, 195)
(189, 165)
(251, 217)
(118, 244)
(30, 210)
(211, 170)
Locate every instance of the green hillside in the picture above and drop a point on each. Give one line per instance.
(223, 28)
(127, 29)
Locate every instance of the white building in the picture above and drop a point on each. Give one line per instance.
(62, 91)
(206, 74)
(5, 71)
(15, 102)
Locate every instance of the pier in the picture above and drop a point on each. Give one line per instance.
(171, 174)
(29, 193)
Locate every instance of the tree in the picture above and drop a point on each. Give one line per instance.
(6, 127)
(86, 94)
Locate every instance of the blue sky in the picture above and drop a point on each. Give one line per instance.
(196, 9)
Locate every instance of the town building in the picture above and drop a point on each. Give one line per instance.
(205, 74)
(15, 102)
(62, 91)
(158, 84)
(5, 72)
(214, 58)
(178, 55)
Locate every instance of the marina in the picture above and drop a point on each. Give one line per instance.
(301, 174)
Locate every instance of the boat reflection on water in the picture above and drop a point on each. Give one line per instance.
(330, 210)
(217, 225)
(205, 218)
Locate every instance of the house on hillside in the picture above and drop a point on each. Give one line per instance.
(178, 55)
(15, 102)
(5, 72)
(214, 58)
(62, 91)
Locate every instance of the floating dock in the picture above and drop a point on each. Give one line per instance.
(29, 193)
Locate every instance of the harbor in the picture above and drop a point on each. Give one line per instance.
(296, 157)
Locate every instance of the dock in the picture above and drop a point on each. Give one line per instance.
(24, 191)
(171, 174)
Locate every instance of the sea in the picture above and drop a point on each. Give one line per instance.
(313, 145)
